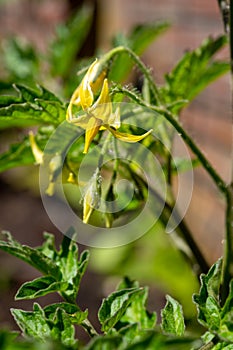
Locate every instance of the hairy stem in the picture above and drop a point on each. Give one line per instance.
(147, 73)
(220, 183)
(183, 231)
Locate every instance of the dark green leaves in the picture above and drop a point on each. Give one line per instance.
(125, 310)
(115, 305)
(208, 297)
(32, 256)
(39, 287)
(63, 270)
(106, 343)
(18, 155)
(32, 323)
(195, 71)
(136, 312)
(172, 317)
(144, 34)
(211, 314)
(30, 107)
(43, 325)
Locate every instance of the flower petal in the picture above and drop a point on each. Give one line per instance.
(102, 108)
(36, 151)
(115, 119)
(81, 121)
(92, 129)
(85, 94)
(128, 137)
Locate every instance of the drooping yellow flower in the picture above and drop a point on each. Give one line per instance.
(36, 151)
(98, 114)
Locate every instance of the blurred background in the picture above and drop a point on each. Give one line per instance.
(153, 259)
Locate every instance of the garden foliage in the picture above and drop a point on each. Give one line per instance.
(124, 320)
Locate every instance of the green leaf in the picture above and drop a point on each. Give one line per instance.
(76, 315)
(138, 40)
(104, 343)
(31, 107)
(137, 312)
(21, 59)
(210, 286)
(226, 328)
(71, 266)
(222, 346)
(144, 34)
(7, 338)
(115, 305)
(32, 256)
(195, 71)
(48, 246)
(172, 317)
(149, 342)
(39, 287)
(32, 323)
(35, 324)
(63, 329)
(19, 154)
(211, 314)
(63, 270)
(130, 333)
(70, 38)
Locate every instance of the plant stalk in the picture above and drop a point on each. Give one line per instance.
(226, 190)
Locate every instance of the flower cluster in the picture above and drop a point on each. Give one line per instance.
(98, 114)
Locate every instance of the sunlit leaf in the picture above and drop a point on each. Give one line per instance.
(30, 255)
(172, 317)
(30, 107)
(195, 71)
(32, 323)
(136, 312)
(39, 287)
(114, 306)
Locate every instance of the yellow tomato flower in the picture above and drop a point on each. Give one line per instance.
(98, 115)
(36, 151)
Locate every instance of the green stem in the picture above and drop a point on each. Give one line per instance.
(103, 150)
(104, 62)
(182, 230)
(89, 328)
(224, 6)
(227, 273)
(220, 183)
